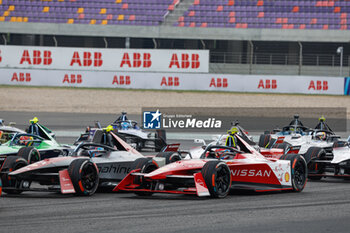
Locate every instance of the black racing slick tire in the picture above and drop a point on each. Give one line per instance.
(160, 140)
(11, 164)
(85, 177)
(170, 156)
(298, 169)
(217, 177)
(30, 154)
(315, 168)
(264, 140)
(146, 165)
(340, 144)
(284, 145)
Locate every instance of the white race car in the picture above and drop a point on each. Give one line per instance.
(322, 149)
(336, 164)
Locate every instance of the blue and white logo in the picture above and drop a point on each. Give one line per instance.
(151, 120)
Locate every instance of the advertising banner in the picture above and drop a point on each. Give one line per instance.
(63, 58)
(174, 81)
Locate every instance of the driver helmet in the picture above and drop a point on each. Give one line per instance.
(125, 125)
(23, 140)
(223, 154)
(321, 135)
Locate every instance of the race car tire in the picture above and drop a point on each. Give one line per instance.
(31, 154)
(283, 145)
(264, 140)
(170, 156)
(146, 165)
(217, 177)
(298, 169)
(340, 144)
(11, 163)
(315, 168)
(85, 177)
(160, 141)
(98, 137)
(271, 143)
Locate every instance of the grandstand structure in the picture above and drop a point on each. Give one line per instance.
(291, 37)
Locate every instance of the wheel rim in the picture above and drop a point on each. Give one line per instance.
(89, 176)
(299, 174)
(222, 180)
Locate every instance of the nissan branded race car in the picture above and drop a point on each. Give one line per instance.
(92, 165)
(228, 140)
(219, 169)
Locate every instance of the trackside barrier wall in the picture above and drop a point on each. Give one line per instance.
(176, 81)
(126, 60)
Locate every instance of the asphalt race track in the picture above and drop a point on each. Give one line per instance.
(323, 206)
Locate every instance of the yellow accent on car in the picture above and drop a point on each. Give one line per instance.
(34, 120)
(233, 130)
(322, 118)
(109, 128)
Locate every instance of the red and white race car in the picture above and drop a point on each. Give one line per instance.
(219, 169)
(275, 151)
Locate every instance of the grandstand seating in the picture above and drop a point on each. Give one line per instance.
(129, 12)
(282, 14)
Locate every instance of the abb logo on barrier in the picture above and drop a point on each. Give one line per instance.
(268, 84)
(320, 85)
(21, 77)
(114, 60)
(36, 58)
(89, 59)
(170, 81)
(218, 82)
(72, 78)
(143, 60)
(186, 62)
(121, 80)
(136, 61)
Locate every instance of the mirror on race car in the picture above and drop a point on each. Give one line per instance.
(199, 141)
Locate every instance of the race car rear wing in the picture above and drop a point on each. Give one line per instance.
(171, 147)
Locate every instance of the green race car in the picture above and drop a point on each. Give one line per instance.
(33, 147)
